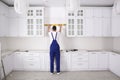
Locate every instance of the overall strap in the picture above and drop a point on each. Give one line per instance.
(55, 36)
(52, 35)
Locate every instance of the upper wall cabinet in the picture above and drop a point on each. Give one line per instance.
(90, 22)
(35, 21)
(30, 25)
(71, 24)
(3, 19)
(115, 24)
(75, 23)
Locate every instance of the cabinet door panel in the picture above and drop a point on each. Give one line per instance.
(18, 61)
(106, 27)
(13, 27)
(103, 60)
(93, 61)
(97, 12)
(97, 24)
(88, 28)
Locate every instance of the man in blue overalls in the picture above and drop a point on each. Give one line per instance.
(54, 49)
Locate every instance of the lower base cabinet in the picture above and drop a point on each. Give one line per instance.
(8, 65)
(69, 61)
(114, 63)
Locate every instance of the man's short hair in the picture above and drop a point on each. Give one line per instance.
(54, 28)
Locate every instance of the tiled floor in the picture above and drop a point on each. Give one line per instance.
(83, 75)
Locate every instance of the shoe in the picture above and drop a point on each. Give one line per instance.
(58, 72)
(51, 73)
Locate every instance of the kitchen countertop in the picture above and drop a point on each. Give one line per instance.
(8, 52)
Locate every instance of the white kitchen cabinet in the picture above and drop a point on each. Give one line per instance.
(3, 19)
(115, 24)
(92, 22)
(46, 59)
(8, 64)
(31, 61)
(13, 27)
(18, 61)
(35, 21)
(22, 29)
(89, 28)
(88, 12)
(93, 61)
(106, 27)
(79, 61)
(103, 60)
(70, 24)
(97, 27)
(75, 23)
(17, 24)
(65, 61)
(97, 12)
(106, 12)
(114, 64)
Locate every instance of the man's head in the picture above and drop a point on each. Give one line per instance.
(54, 28)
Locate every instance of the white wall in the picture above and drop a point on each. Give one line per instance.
(67, 43)
(90, 43)
(3, 42)
(55, 15)
(116, 44)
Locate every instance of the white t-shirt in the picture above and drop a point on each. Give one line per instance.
(54, 34)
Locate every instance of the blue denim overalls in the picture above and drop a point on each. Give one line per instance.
(54, 54)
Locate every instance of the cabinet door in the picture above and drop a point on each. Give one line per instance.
(3, 25)
(115, 26)
(71, 27)
(22, 29)
(31, 61)
(13, 27)
(80, 26)
(106, 27)
(35, 22)
(89, 12)
(46, 62)
(88, 28)
(8, 64)
(93, 61)
(114, 63)
(97, 26)
(18, 61)
(65, 62)
(106, 12)
(79, 61)
(39, 29)
(103, 60)
(97, 12)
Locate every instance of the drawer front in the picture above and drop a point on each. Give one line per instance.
(80, 65)
(80, 54)
(35, 59)
(32, 54)
(32, 65)
(80, 60)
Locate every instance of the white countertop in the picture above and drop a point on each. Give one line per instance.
(8, 52)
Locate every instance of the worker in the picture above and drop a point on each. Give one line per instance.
(54, 48)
